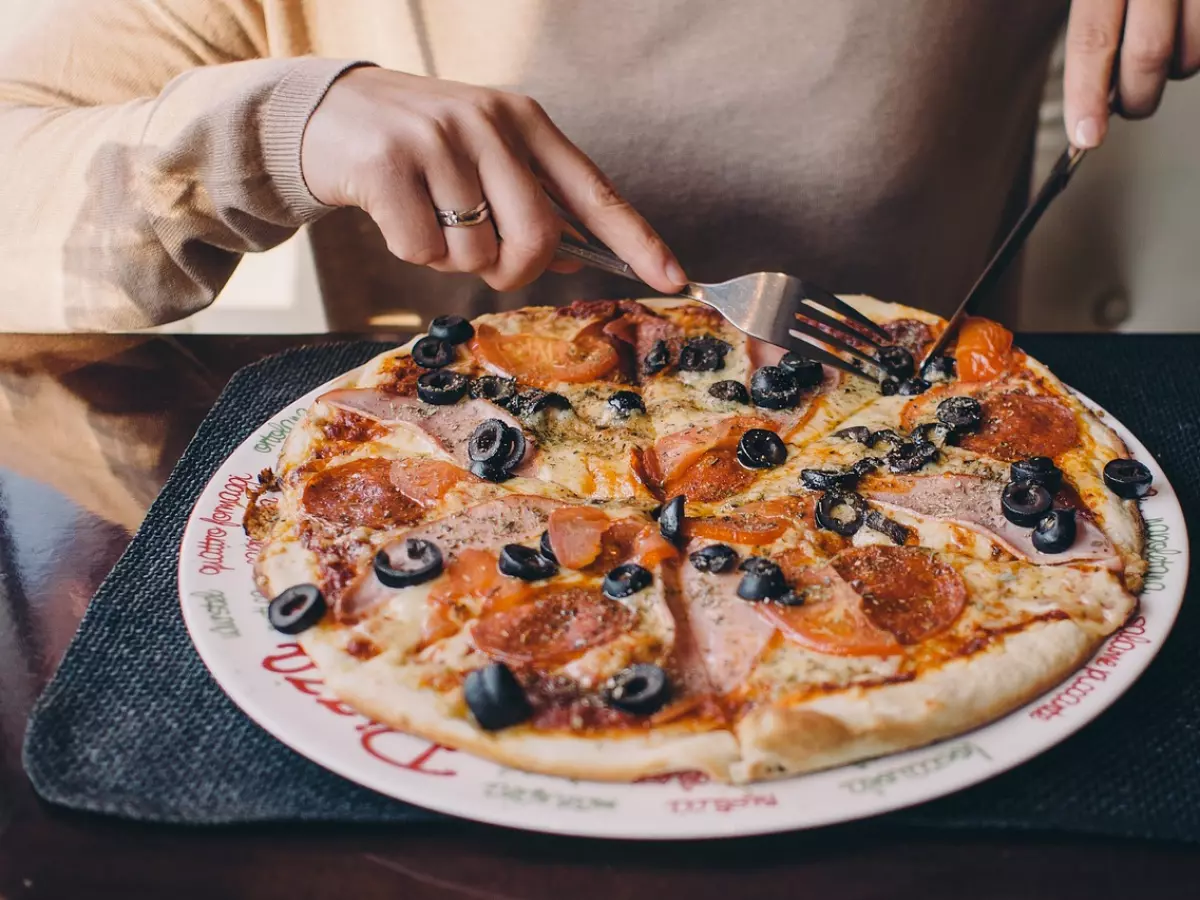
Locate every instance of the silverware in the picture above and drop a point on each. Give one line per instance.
(1059, 175)
(769, 306)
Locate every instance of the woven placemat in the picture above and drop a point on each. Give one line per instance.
(133, 725)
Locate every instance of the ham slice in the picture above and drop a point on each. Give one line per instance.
(974, 503)
(490, 525)
(448, 428)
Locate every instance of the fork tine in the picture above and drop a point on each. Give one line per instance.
(816, 333)
(819, 295)
(803, 348)
(839, 325)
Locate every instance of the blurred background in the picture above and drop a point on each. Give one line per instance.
(1120, 250)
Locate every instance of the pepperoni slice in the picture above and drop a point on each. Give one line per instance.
(577, 533)
(715, 475)
(544, 361)
(912, 334)
(1017, 425)
(557, 625)
(677, 452)
(831, 620)
(426, 481)
(359, 493)
(739, 528)
(983, 350)
(904, 590)
(473, 575)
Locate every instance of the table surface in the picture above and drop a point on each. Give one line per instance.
(89, 429)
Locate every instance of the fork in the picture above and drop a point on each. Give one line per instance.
(769, 306)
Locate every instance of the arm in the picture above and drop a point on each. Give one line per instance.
(145, 146)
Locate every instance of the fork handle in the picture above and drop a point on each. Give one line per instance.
(595, 257)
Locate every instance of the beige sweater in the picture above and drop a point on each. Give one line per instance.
(872, 145)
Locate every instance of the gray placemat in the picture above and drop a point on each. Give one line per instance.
(132, 724)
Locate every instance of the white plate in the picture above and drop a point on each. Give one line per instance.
(273, 681)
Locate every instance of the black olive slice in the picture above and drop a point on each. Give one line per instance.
(730, 391)
(910, 457)
(431, 353)
(763, 579)
(670, 520)
(1055, 531)
(761, 449)
(940, 368)
(495, 697)
(703, 354)
(841, 513)
(865, 466)
(936, 433)
(532, 401)
(877, 521)
(886, 436)
(960, 413)
(296, 609)
(451, 329)
(859, 433)
(441, 387)
(889, 386)
(805, 372)
(1038, 469)
(545, 549)
(774, 388)
(626, 402)
(419, 561)
(829, 479)
(491, 442)
(910, 387)
(896, 361)
(626, 580)
(501, 391)
(519, 561)
(714, 559)
(1128, 478)
(657, 359)
(641, 689)
(1024, 503)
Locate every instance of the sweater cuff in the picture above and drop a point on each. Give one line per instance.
(284, 118)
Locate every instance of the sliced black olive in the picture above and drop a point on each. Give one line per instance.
(626, 580)
(1024, 503)
(420, 561)
(641, 689)
(960, 413)
(896, 361)
(761, 449)
(531, 401)
(877, 521)
(936, 433)
(1055, 531)
(491, 442)
(763, 579)
(910, 457)
(441, 387)
(501, 391)
(774, 388)
(888, 437)
(910, 387)
(1038, 469)
(1127, 478)
(865, 466)
(545, 549)
(451, 329)
(859, 433)
(805, 372)
(297, 609)
(841, 513)
(839, 479)
(731, 391)
(940, 368)
(889, 386)
(626, 402)
(489, 471)
(525, 563)
(431, 353)
(791, 597)
(670, 520)
(703, 354)
(657, 359)
(715, 558)
(495, 697)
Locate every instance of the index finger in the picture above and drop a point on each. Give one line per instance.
(1093, 36)
(587, 193)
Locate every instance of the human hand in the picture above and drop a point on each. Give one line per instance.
(1148, 41)
(401, 146)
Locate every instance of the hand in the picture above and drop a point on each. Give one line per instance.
(399, 146)
(1148, 41)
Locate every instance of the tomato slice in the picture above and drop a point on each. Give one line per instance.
(676, 453)
(650, 547)
(426, 481)
(544, 361)
(476, 573)
(577, 534)
(831, 620)
(740, 528)
(983, 350)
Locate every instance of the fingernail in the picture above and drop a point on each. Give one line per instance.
(1087, 133)
(674, 272)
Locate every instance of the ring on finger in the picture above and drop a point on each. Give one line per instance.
(464, 218)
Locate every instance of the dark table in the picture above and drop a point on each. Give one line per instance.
(89, 429)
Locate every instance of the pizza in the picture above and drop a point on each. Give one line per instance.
(619, 539)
